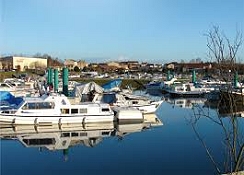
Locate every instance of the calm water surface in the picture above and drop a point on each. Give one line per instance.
(178, 146)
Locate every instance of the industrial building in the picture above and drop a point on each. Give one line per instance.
(22, 63)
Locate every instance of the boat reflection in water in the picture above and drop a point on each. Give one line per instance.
(62, 138)
(185, 102)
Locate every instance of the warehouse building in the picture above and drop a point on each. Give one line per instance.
(22, 63)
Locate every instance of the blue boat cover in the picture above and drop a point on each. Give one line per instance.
(112, 84)
(6, 96)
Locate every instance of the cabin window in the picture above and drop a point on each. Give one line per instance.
(83, 110)
(74, 111)
(4, 85)
(179, 102)
(47, 105)
(134, 102)
(109, 98)
(32, 106)
(105, 109)
(86, 98)
(74, 134)
(127, 98)
(105, 133)
(6, 112)
(65, 111)
(66, 134)
(44, 141)
(83, 134)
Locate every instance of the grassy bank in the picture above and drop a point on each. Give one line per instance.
(135, 84)
(4, 75)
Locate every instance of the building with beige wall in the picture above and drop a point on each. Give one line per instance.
(81, 64)
(22, 63)
(70, 64)
(114, 64)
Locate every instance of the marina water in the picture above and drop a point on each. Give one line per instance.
(190, 140)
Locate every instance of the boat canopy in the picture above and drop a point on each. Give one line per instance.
(87, 88)
(6, 96)
(112, 85)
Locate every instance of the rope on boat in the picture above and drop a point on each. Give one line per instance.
(59, 123)
(83, 122)
(13, 122)
(35, 122)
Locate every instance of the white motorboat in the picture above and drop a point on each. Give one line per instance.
(17, 89)
(189, 90)
(116, 99)
(210, 81)
(158, 86)
(120, 99)
(55, 109)
(154, 86)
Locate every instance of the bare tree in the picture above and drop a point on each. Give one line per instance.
(224, 53)
(233, 140)
(222, 50)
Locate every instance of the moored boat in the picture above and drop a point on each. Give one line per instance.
(120, 99)
(157, 86)
(55, 109)
(189, 90)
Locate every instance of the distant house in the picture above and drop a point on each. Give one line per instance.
(114, 64)
(70, 64)
(130, 65)
(196, 66)
(171, 65)
(185, 67)
(22, 63)
(81, 64)
(93, 65)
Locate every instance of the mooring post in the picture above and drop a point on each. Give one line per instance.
(193, 76)
(65, 77)
(55, 80)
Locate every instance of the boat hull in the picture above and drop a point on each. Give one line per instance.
(125, 114)
(144, 108)
(52, 120)
(150, 108)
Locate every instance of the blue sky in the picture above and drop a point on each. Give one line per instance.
(102, 30)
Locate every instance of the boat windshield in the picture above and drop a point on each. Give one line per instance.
(108, 98)
(40, 105)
